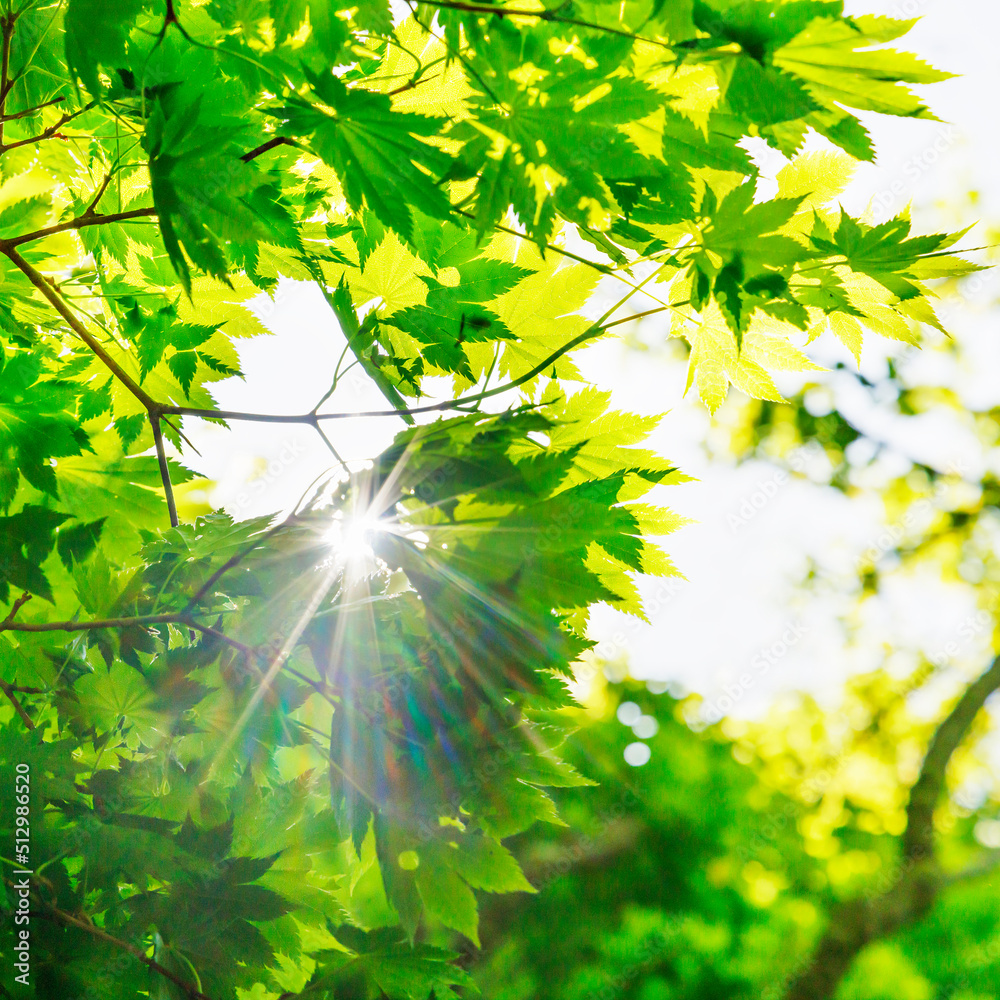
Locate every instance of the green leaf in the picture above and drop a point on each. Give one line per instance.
(97, 35)
(184, 364)
(76, 543)
(883, 252)
(36, 423)
(449, 900)
(486, 864)
(26, 539)
(362, 139)
(452, 315)
(202, 189)
(397, 970)
(117, 697)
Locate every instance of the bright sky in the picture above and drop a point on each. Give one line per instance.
(742, 592)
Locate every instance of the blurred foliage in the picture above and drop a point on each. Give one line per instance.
(710, 871)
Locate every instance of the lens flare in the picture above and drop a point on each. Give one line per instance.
(350, 540)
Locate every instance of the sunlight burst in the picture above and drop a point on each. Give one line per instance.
(350, 538)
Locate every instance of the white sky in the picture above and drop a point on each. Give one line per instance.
(742, 591)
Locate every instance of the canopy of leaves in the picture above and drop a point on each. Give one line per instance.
(270, 757)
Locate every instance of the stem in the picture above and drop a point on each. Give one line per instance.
(56, 301)
(336, 375)
(161, 458)
(640, 315)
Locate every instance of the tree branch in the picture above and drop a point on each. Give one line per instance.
(161, 458)
(918, 840)
(67, 918)
(449, 404)
(56, 301)
(89, 218)
(270, 144)
(15, 607)
(31, 111)
(48, 133)
(169, 617)
(856, 923)
(8, 690)
(542, 15)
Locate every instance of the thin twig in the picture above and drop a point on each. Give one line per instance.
(161, 458)
(333, 451)
(409, 85)
(248, 651)
(51, 132)
(182, 435)
(542, 15)
(230, 563)
(92, 207)
(138, 621)
(167, 618)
